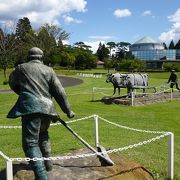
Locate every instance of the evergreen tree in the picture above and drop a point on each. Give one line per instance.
(23, 27)
(102, 52)
(111, 45)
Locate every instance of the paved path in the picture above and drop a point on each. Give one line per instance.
(65, 81)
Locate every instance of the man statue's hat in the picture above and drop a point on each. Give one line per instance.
(35, 52)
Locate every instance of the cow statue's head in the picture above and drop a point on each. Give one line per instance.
(109, 78)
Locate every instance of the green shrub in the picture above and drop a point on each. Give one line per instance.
(170, 66)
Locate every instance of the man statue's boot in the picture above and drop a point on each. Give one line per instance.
(37, 166)
(45, 147)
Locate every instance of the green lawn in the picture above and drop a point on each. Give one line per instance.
(157, 117)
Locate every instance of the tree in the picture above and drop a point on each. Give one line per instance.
(8, 45)
(82, 45)
(171, 45)
(23, 27)
(102, 52)
(123, 49)
(50, 39)
(111, 45)
(84, 59)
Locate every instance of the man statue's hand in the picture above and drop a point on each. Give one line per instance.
(71, 114)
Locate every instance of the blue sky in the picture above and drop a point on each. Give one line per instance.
(92, 21)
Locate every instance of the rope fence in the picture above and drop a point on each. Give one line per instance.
(161, 90)
(161, 134)
(169, 90)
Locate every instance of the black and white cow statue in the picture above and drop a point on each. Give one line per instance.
(135, 81)
(129, 81)
(116, 79)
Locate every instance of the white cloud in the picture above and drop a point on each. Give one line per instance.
(69, 20)
(146, 13)
(119, 13)
(66, 42)
(174, 32)
(39, 12)
(101, 37)
(94, 45)
(175, 17)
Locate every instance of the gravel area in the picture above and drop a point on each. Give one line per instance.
(65, 81)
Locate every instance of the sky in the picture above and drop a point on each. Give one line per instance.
(95, 21)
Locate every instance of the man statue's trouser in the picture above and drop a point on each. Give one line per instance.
(35, 142)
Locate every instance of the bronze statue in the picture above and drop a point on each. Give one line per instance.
(173, 80)
(36, 84)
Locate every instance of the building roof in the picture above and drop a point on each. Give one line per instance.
(100, 62)
(145, 39)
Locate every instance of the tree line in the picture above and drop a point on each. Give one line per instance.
(17, 39)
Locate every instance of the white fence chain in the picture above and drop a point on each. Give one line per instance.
(53, 124)
(163, 134)
(133, 129)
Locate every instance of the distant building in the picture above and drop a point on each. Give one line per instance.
(100, 64)
(153, 52)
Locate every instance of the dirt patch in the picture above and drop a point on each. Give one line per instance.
(85, 168)
(140, 100)
(69, 81)
(65, 81)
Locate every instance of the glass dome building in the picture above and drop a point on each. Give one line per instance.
(146, 43)
(153, 52)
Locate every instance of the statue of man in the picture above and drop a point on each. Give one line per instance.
(36, 84)
(173, 80)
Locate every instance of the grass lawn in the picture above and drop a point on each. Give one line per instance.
(156, 117)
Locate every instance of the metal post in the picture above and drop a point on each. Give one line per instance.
(9, 170)
(171, 94)
(93, 93)
(132, 98)
(96, 130)
(171, 157)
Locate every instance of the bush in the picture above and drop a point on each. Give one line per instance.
(170, 66)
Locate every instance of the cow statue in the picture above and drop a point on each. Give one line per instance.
(116, 79)
(129, 81)
(135, 81)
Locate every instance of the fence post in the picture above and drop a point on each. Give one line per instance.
(9, 170)
(132, 98)
(171, 156)
(96, 130)
(93, 93)
(9, 167)
(171, 94)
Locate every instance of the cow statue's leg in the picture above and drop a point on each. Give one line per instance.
(114, 91)
(118, 91)
(144, 90)
(128, 92)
